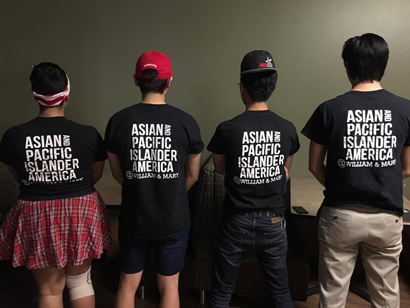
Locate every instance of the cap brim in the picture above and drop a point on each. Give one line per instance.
(257, 70)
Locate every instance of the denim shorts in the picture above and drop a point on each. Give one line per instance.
(169, 253)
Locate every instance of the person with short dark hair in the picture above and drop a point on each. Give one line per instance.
(154, 151)
(254, 150)
(365, 136)
(59, 222)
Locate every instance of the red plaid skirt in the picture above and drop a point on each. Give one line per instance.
(54, 233)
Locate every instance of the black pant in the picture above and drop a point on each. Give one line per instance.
(267, 236)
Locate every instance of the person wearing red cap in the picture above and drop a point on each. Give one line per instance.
(254, 150)
(154, 151)
(59, 222)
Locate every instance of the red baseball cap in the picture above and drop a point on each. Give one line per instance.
(153, 60)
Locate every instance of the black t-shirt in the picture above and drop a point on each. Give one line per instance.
(53, 157)
(364, 133)
(152, 143)
(257, 145)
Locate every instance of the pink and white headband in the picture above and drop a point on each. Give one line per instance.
(54, 99)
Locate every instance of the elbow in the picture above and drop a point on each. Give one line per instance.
(117, 176)
(317, 171)
(119, 179)
(313, 169)
(97, 176)
(194, 178)
(114, 174)
(406, 174)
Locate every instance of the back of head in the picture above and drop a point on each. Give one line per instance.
(49, 84)
(365, 57)
(48, 79)
(150, 83)
(259, 75)
(152, 71)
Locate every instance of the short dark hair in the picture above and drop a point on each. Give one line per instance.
(151, 85)
(48, 78)
(365, 57)
(260, 85)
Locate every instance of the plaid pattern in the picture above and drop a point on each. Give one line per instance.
(54, 233)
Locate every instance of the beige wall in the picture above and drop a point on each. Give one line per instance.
(98, 42)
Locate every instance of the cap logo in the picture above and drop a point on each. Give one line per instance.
(268, 63)
(150, 64)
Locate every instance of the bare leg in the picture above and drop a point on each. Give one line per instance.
(126, 291)
(50, 283)
(84, 302)
(168, 288)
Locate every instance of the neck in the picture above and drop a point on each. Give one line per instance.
(366, 86)
(154, 98)
(257, 106)
(51, 112)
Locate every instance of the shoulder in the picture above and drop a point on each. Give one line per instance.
(181, 115)
(283, 121)
(335, 101)
(240, 118)
(120, 117)
(11, 133)
(333, 105)
(229, 124)
(22, 128)
(126, 112)
(401, 100)
(84, 128)
(178, 111)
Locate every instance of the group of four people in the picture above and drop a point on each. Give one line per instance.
(59, 222)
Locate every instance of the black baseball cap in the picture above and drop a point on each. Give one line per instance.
(257, 61)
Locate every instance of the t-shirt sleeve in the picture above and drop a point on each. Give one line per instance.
(109, 137)
(5, 146)
(407, 140)
(100, 153)
(217, 143)
(196, 145)
(295, 142)
(315, 127)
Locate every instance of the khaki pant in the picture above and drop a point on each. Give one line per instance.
(345, 232)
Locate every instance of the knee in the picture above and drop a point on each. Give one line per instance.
(51, 291)
(168, 284)
(80, 286)
(168, 288)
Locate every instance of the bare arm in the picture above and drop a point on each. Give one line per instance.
(219, 163)
(288, 164)
(405, 161)
(97, 170)
(13, 173)
(115, 167)
(192, 168)
(317, 153)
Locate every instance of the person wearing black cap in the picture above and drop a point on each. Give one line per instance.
(254, 150)
(365, 136)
